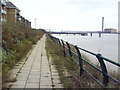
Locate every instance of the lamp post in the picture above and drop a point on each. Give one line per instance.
(35, 23)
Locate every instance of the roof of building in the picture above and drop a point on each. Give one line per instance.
(3, 2)
(11, 5)
(109, 29)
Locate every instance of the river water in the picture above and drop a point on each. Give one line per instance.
(107, 45)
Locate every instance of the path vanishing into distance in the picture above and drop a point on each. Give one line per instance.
(36, 71)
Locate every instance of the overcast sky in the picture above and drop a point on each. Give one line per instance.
(77, 15)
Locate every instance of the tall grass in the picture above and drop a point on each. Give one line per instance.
(59, 61)
(17, 40)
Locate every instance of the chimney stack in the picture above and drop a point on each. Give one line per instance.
(102, 24)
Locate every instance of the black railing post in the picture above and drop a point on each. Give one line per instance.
(63, 48)
(59, 42)
(69, 49)
(80, 60)
(104, 70)
(56, 40)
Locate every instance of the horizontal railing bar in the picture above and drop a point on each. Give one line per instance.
(87, 51)
(114, 79)
(66, 47)
(75, 61)
(101, 57)
(93, 77)
(110, 61)
(74, 53)
(92, 65)
(67, 54)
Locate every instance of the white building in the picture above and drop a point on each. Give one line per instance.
(110, 30)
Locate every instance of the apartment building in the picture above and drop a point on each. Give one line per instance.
(25, 21)
(3, 6)
(13, 13)
(9, 12)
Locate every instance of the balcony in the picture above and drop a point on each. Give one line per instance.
(3, 20)
(3, 2)
(3, 11)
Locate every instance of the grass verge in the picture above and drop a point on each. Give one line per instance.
(73, 79)
(53, 50)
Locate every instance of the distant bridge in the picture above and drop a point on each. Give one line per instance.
(84, 33)
(79, 32)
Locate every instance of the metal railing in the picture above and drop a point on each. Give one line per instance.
(66, 47)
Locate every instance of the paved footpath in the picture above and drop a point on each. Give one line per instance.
(36, 71)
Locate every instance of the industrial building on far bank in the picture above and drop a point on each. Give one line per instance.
(110, 30)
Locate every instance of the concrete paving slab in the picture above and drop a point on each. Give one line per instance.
(36, 68)
(23, 74)
(19, 83)
(46, 86)
(15, 87)
(44, 79)
(22, 78)
(26, 66)
(32, 85)
(35, 73)
(34, 76)
(31, 89)
(55, 74)
(46, 82)
(56, 81)
(33, 80)
(55, 77)
(58, 86)
(24, 71)
(54, 71)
